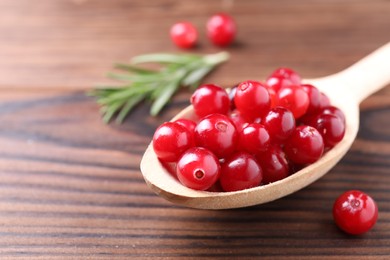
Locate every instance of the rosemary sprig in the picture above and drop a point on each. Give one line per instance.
(158, 86)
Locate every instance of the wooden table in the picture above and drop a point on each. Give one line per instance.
(70, 186)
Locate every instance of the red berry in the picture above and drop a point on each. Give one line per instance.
(189, 124)
(238, 120)
(330, 127)
(209, 99)
(331, 110)
(240, 171)
(254, 138)
(277, 82)
(217, 133)
(252, 99)
(294, 98)
(280, 123)
(287, 73)
(272, 96)
(305, 145)
(198, 168)
(325, 101)
(274, 164)
(184, 34)
(170, 140)
(221, 29)
(314, 98)
(355, 212)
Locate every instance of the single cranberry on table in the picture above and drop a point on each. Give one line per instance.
(184, 35)
(280, 123)
(221, 29)
(209, 99)
(304, 146)
(355, 212)
(198, 168)
(240, 171)
(217, 133)
(252, 99)
(171, 140)
(274, 164)
(254, 138)
(331, 127)
(294, 98)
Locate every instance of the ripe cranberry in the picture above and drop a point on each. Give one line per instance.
(294, 98)
(280, 123)
(221, 29)
(217, 133)
(331, 110)
(305, 145)
(189, 124)
(277, 82)
(238, 120)
(198, 168)
(240, 171)
(355, 212)
(272, 96)
(254, 138)
(252, 99)
(274, 164)
(170, 140)
(209, 99)
(184, 35)
(287, 73)
(314, 98)
(325, 101)
(331, 127)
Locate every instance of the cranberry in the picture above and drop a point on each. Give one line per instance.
(189, 124)
(280, 123)
(331, 127)
(294, 98)
(209, 99)
(314, 98)
(252, 99)
(355, 212)
(240, 171)
(277, 82)
(325, 101)
(217, 133)
(238, 120)
(184, 35)
(274, 164)
(331, 110)
(221, 29)
(305, 145)
(170, 140)
(287, 73)
(254, 138)
(272, 96)
(198, 168)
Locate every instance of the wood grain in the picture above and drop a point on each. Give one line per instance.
(70, 186)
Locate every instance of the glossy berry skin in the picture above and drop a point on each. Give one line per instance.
(184, 35)
(217, 133)
(171, 140)
(314, 98)
(221, 29)
(252, 99)
(254, 138)
(287, 73)
(189, 124)
(294, 98)
(331, 127)
(332, 110)
(198, 168)
(238, 120)
(280, 123)
(325, 101)
(304, 146)
(355, 212)
(277, 82)
(209, 99)
(240, 171)
(274, 164)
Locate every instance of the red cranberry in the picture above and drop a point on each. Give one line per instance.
(274, 164)
(287, 73)
(254, 138)
(294, 98)
(331, 110)
(330, 127)
(209, 99)
(184, 34)
(280, 123)
(221, 29)
(189, 124)
(314, 98)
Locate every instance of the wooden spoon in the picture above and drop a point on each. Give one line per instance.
(345, 89)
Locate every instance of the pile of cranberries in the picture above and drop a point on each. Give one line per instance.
(257, 134)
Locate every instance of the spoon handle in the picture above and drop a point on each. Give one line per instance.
(366, 76)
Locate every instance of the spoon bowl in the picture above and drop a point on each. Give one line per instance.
(345, 89)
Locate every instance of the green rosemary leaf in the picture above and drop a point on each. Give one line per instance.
(163, 99)
(164, 58)
(195, 76)
(134, 69)
(128, 106)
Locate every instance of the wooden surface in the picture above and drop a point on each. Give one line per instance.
(70, 186)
